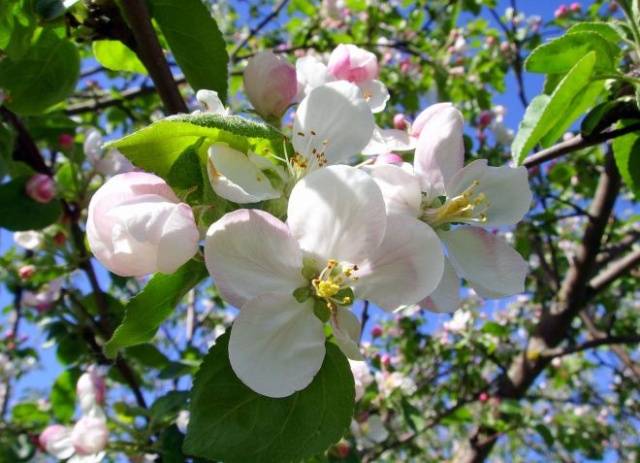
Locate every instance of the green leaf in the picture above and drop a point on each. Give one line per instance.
(149, 308)
(186, 174)
(195, 41)
(115, 55)
(544, 111)
(29, 414)
(580, 104)
(44, 76)
(63, 395)
(605, 30)
(626, 151)
(147, 355)
(561, 54)
(230, 422)
(166, 407)
(156, 147)
(19, 212)
(545, 434)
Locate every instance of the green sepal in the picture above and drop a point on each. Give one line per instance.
(321, 310)
(302, 294)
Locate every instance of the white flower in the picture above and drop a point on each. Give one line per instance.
(459, 321)
(29, 239)
(107, 163)
(182, 421)
(361, 375)
(210, 103)
(90, 390)
(476, 195)
(47, 295)
(83, 443)
(338, 242)
(389, 382)
(370, 432)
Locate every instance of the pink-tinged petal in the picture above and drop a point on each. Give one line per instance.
(56, 441)
(352, 63)
(375, 93)
(179, 241)
(311, 73)
(270, 83)
(506, 190)
(337, 213)
(249, 252)
(425, 116)
(492, 267)
(387, 140)
(333, 121)
(400, 189)
(446, 297)
(406, 267)
(277, 345)
(440, 149)
(346, 329)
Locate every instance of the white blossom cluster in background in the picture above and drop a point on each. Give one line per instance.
(392, 232)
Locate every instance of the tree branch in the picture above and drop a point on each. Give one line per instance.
(266, 20)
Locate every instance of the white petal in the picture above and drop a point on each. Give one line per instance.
(375, 93)
(179, 240)
(400, 188)
(337, 213)
(440, 150)
(506, 189)
(446, 297)
(234, 177)
(311, 73)
(492, 267)
(375, 429)
(384, 141)
(276, 345)
(406, 267)
(250, 252)
(346, 329)
(93, 145)
(210, 102)
(333, 120)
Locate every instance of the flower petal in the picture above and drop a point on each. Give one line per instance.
(440, 149)
(346, 329)
(400, 188)
(446, 297)
(375, 93)
(506, 189)
(277, 345)
(384, 141)
(234, 177)
(492, 267)
(179, 241)
(250, 252)
(311, 73)
(406, 267)
(334, 120)
(337, 213)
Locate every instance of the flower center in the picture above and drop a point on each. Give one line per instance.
(469, 206)
(315, 158)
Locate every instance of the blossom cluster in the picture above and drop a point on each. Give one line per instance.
(388, 231)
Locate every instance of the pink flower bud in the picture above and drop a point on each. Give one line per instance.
(90, 389)
(26, 271)
(59, 238)
(400, 122)
(389, 158)
(89, 435)
(343, 448)
(561, 12)
(270, 83)
(55, 440)
(385, 360)
(41, 188)
(348, 62)
(491, 41)
(483, 397)
(405, 65)
(65, 141)
(376, 331)
(505, 47)
(575, 7)
(137, 225)
(485, 118)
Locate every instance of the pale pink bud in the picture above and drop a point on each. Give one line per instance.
(400, 122)
(385, 360)
(389, 158)
(90, 389)
(41, 188)
(505, 47)
(348, 62)
(55, 440)
(26, 271)
(561, 11)
(483, 397)
(491, 41)
(376, 331)
(89, 435)
(65, 141)
(270, 83)
(575, 7)
(405, 65)
(137, 225)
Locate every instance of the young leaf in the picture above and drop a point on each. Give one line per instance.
(44, 76)
(115, 55)
(545, 112)
(195, 41)
(561, 54)
(626, 151)
(19, 212)
(149, 308)
(605, 30)
(230, 422)
(156, 147)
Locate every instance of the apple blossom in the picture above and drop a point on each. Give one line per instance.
(90, 390)
(370, 431)
(41, 188)
(459, 322)
(270, 83)
(26, 271)
(182, 421)
(389, 158)
(337, 244)
(56, 440)
(136, 226)
(107, 163)
(311, 72)
(361, 375)
(89, 436)
(439, 191)
(210, 103)
(400, 122)
(30, 239)
(45, 297)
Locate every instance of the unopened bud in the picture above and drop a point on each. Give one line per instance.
(26, 271)
(270, 83)
(400, 122)
(65, 141)
(41, 188)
